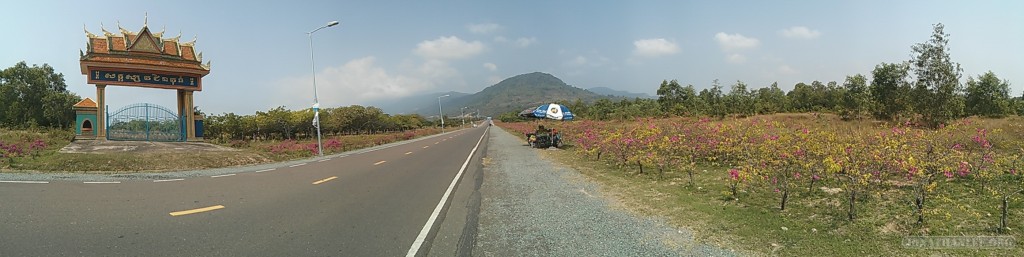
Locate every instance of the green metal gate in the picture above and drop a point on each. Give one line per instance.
(145, 122)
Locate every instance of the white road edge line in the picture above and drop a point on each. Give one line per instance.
(24, 181)
(296, 165)
(258, 171)
(102, 182)
(221, 176)
(168, 180)
(323, 160)
(444, 199)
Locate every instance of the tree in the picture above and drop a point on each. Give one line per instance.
(856, 97)
(769, 100)
(937, 88)
(800, 97)
(713, 99)
(35, 95)
(678, 100)
(739, 100)
(670, 97)
(988, 96)
(890, 90)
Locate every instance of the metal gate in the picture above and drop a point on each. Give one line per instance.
(145, 122)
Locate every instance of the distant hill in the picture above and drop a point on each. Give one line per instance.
(613, 92)
(510, 95)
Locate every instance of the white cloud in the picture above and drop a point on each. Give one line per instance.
(483, 28)
(654, 47)
(786, 70)
(582, 62)
(490, 66)
(736, 58)
(357, 81)
(436, 71)
(500, 39)
(448, 48)
(524, 42)
(800, 32)
(735, 41)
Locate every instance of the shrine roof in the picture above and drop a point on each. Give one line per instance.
(85, 103)
(142, 49)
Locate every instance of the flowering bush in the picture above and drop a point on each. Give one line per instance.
(780, 153)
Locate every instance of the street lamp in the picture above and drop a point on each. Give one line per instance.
(441, 112)
(316, 100)
(463, 111)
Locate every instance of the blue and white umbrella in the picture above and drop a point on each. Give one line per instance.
(553, 111)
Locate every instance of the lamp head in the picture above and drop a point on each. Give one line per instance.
(333, 23)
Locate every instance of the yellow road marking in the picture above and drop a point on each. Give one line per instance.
(408, 153)
(378, 163)
(193, 211)
(324, 180)
(426, 146)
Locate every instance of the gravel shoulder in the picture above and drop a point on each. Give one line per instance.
(531, 206)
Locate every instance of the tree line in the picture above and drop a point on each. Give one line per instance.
(925, 89)
(35, 96)
(280, 123)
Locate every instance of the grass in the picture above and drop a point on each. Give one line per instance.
(815, 221)
(810, 226)
(49, 159)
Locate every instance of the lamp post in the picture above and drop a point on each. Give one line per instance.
(441, 112)
(316, 100)
(463, 111)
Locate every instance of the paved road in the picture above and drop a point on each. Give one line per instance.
(373, 203)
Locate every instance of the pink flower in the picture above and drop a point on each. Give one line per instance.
(965, 168)
(734, 174)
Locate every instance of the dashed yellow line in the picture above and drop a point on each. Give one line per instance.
(324, 180)
(378, 163)
(194, 211)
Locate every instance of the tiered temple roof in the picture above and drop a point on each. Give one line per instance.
(143, 48)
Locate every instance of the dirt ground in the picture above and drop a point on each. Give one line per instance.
(108, 146)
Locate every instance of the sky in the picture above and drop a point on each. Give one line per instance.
(385, 50)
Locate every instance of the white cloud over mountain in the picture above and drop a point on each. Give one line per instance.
(448, 48)
(654, 47)
(800, 32)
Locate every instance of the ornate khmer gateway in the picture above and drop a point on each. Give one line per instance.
(141, 59)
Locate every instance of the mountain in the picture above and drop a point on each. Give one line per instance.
(613, 92)
(510, 95)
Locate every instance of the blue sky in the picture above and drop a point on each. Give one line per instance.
(388, 49)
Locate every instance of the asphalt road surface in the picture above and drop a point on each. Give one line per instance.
(385, 202)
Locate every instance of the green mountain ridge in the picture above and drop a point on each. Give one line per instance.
(513, 94)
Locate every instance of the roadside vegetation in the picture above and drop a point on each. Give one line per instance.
(804, 184)
(36, 121)
(38, 151)
(822, 170)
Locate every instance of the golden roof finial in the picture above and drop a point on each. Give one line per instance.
(175, 39)
(123, 31)
(105, 32)
(161, 33)
(87, 34)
